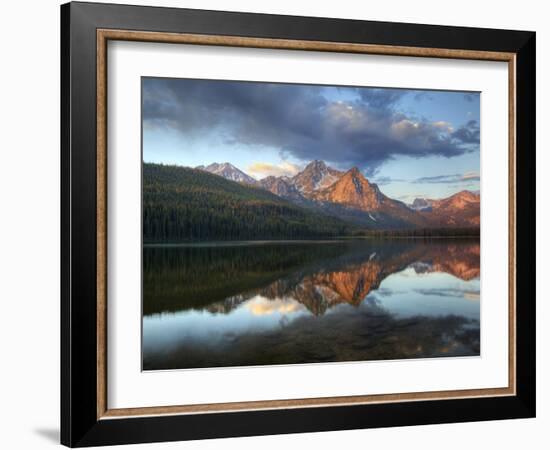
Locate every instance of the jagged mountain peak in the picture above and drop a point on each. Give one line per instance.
(320, 166)
(354, 190)
(316, 175)
(229, 172)
(214, 167)
(359, 180)
(317, 163)
(355, 172)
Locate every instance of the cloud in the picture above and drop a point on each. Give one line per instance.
(443, 126)
(387, 292)
(262, 169)
(444, 179)
(303, 121)
(380, 98)
(260, 306)
(470, 176)
(472, 295)
(468, 134)
(384, 180)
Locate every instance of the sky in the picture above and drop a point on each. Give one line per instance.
(412, 143)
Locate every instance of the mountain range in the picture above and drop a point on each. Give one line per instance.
(350, 196)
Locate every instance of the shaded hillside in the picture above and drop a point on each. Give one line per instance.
(183, 204)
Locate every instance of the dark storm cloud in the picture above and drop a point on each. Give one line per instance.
(302, 121)
(469, 133)
(380, 98)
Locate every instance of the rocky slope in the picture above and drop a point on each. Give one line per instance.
(316, 176)
(364, 201)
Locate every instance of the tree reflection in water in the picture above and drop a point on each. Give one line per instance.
(284, 303)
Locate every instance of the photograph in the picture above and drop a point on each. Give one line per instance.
(298, 223)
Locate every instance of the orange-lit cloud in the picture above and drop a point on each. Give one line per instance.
(263, 169)
(262, 306)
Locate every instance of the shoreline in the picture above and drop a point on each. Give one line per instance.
(259, 242)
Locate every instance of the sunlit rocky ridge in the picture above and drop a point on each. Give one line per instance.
(350, 195)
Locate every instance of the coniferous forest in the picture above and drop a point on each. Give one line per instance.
(182, 204)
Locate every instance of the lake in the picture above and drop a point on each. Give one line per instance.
(258, 303)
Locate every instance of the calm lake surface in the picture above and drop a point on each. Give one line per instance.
(239, 304)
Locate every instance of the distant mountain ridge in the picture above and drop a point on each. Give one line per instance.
(229, 172)
(460, 209)
(351, 196)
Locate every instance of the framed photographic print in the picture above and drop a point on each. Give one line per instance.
(276, 224)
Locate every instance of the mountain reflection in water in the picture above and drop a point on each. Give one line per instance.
(283, 303)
